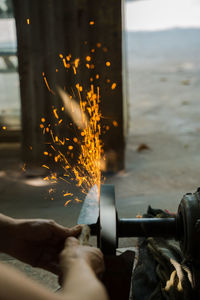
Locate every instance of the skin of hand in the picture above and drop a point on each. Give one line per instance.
(39, 242)
(73, 251)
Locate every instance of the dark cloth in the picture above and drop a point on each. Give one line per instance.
(161, 271)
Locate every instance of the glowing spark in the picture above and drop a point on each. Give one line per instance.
(68, 57)
(45, 166)
(93, 50)
(115, 124)
(75, 140)
(91, 22)
(77, 200)
(108, 64)
(28, 21)
(43, 120)
(67, 202)
(55, 113)
(68, 194)
(4, 127)
(41, 126)
(97, 76)
(46, 153)
(113, 86)
(98, 45)
(70, 147)
(48, 87)
(88, 58)
(76, 62)
(74, 68)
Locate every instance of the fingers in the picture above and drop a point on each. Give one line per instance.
(71, 241)
(65, 232)
(75, 231)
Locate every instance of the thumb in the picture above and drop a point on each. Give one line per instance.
(74, 231)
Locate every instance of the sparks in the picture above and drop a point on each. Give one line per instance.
(47, 85)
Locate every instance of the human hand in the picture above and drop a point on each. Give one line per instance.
(73, 251)
(39, 242)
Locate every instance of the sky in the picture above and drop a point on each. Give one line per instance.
(152, 15)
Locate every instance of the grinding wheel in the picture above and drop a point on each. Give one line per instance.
(107, 237)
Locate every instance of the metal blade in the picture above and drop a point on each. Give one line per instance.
(90, 209)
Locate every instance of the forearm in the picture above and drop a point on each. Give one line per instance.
(81, 282)
(7, 232)
(14, 285)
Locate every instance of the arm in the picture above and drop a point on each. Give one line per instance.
(37, 242)
(79, 280)
(7, 228)
(82, 283)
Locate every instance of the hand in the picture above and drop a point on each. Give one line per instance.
(73, 251)
(38, 242)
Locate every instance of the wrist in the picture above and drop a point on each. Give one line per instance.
(77, 262)
(8, 227)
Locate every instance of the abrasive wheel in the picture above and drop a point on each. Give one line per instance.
(107, 237)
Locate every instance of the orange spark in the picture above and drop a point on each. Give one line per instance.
(108, 64)
(98, 45)
(45, 153)
(75, 140)
(88, 58)
(68, 57)
(55, 113)
(45, 166)
(48, 87)
(77, 200)
(113, 86)
(115, 124)
(43, 120)
(68, 194)
(28, 21)
(67, 202)
(91, 23)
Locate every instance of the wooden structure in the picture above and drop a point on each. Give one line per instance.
(48, 28)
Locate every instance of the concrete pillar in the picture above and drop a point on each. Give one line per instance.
(63, 27)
